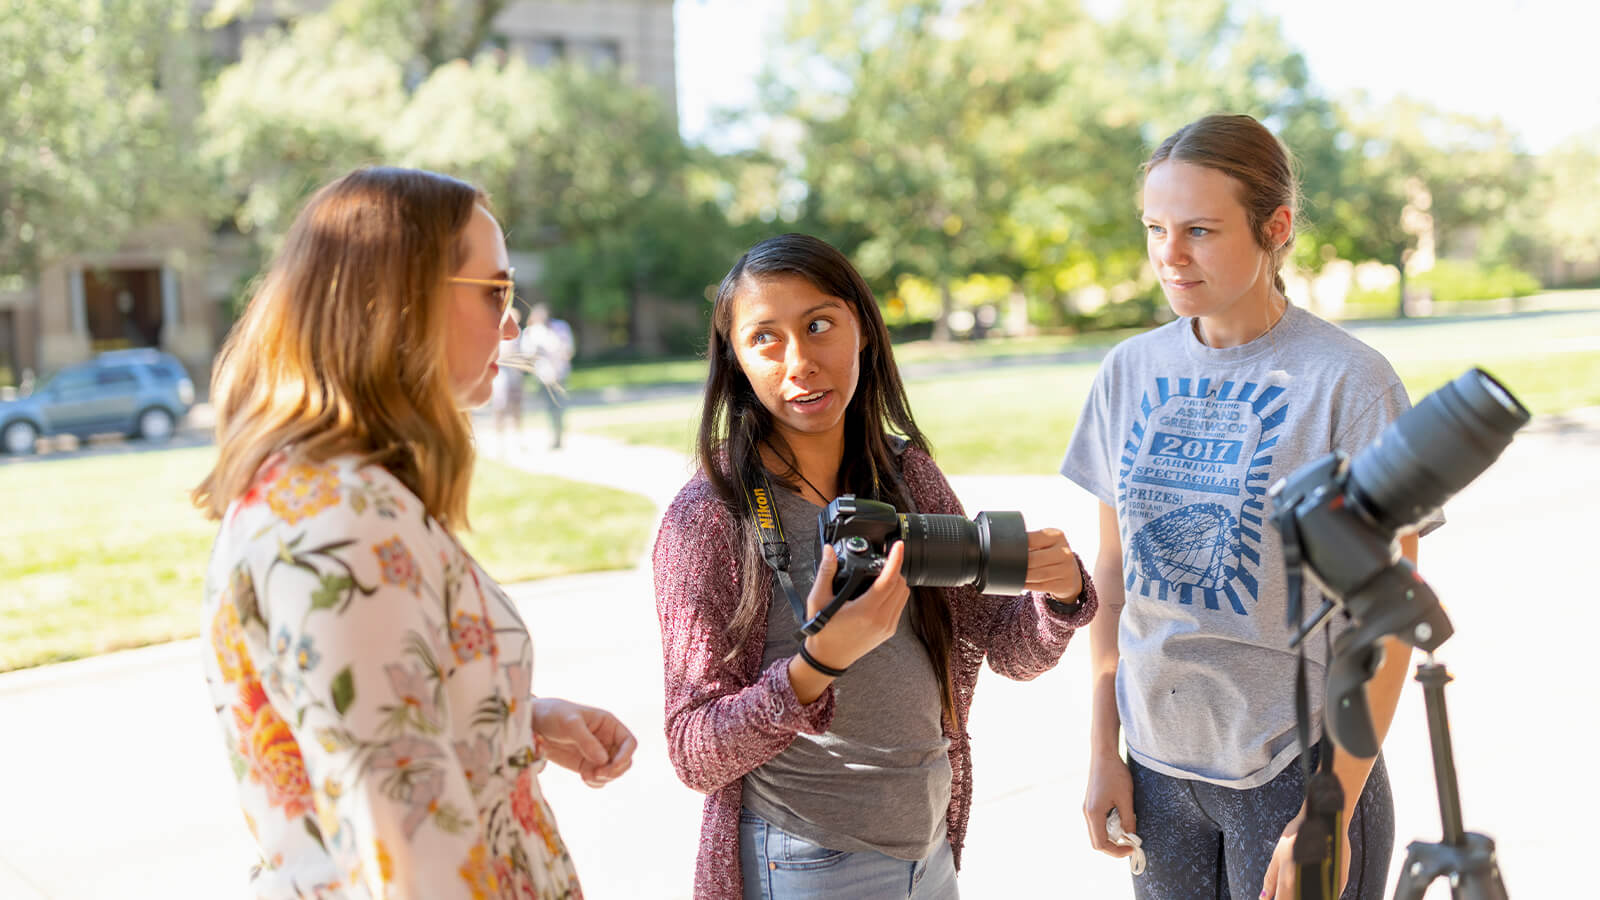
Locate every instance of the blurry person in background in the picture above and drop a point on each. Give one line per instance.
(373, 683)
(549, 342)
(836, 767)
(1184, 429)
(506, 397)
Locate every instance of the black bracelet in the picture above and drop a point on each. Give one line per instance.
(1064, 609)
(811, 661)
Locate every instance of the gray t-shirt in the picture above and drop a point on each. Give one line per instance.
(879, 778)
(1184, 440)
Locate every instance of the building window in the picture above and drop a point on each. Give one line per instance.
(123, 308)
(603, 53)
(544, 51)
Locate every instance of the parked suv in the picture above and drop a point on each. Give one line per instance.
(141, 393)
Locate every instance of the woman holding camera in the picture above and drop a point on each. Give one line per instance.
(837, 767)
(1184, 430)
(372, 682)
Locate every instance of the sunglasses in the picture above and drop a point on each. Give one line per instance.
(506, 292)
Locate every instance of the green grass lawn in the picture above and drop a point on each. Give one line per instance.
(666, 371)
(536, 526)
(102, 553)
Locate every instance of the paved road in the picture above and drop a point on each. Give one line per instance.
(115, 785)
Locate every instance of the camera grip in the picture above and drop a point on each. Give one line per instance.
(852, 588)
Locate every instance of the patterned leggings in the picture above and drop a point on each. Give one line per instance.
(1203, 841)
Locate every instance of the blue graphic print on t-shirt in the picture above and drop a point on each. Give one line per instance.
(1195, 469)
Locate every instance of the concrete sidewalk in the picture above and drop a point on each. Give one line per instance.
(651, 472)
(116, 785)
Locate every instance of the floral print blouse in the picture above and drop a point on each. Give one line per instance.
(373, 686)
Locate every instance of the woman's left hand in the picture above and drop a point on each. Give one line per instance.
(589, 741)
(1281, 871)
(1052, 566)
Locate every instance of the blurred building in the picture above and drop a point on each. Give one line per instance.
(170, 285)
(637, 34)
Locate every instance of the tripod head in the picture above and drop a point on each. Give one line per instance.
(1340, 518)
(1362, 567)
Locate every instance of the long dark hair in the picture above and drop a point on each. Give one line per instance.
(734, 425)
(1242, 148)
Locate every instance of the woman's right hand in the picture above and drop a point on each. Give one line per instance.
(863, 623)
(1110, 787)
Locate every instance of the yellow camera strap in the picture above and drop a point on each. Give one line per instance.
(774, 549)
(1316, 845)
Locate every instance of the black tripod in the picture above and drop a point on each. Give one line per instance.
(1466, 857)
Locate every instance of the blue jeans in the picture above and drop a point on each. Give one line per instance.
(1206, 841)
(777, 865)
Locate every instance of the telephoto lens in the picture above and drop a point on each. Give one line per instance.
(1424, 457)
(990, 551)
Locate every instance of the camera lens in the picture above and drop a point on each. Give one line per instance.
(1424, 457)
(949, 551)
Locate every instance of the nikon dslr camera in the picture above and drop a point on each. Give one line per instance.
(990, 551)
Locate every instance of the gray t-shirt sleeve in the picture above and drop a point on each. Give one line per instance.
(1088, 462)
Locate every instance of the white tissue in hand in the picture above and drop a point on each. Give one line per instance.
(1126, 839)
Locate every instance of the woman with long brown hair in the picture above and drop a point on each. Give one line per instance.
(373, 683)
(837, 766)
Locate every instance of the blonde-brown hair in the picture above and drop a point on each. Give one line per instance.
(1242, 148)
(342, 347)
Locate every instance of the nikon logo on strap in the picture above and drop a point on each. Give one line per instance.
(763, 508)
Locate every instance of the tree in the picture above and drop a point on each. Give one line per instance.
(1567, 218)
(1005, 137)
(1412, 170)
(582, 166)
(901, 146)
(301, 107)
(90, 143)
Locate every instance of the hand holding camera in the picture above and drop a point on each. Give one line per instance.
(1052, 567)
(860, 624)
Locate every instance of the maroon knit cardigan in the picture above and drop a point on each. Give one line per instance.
(725, 719)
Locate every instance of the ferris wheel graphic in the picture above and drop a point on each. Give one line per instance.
(1207, 547)
(1195, 545)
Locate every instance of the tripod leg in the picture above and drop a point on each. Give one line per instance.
(1479, 875)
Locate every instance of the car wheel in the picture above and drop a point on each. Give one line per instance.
(19, 437)
(156, 424)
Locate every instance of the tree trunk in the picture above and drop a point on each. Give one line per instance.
(947, 305)
(1400, 265)
(638, 319)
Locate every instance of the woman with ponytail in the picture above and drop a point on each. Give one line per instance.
(1183, 432)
